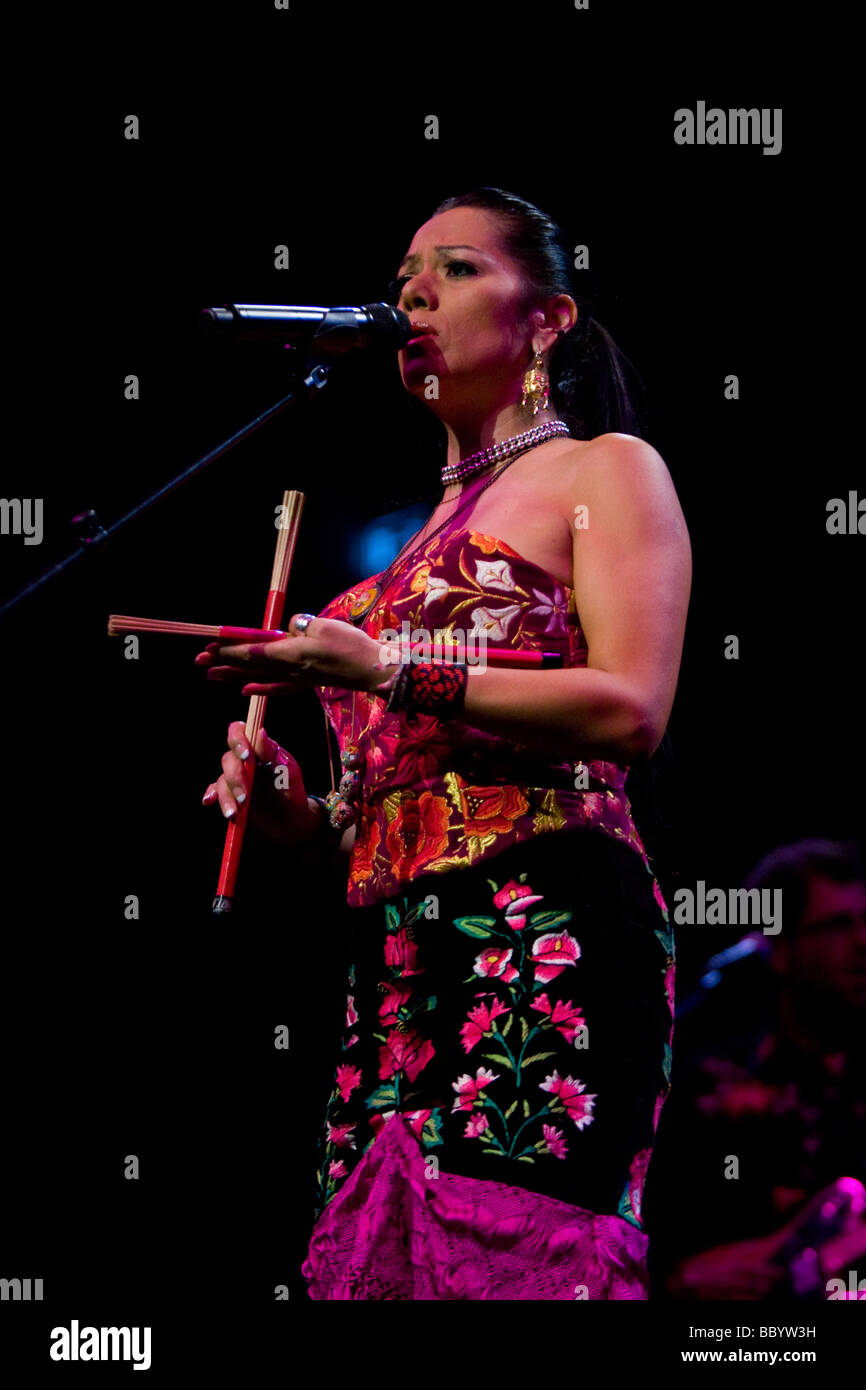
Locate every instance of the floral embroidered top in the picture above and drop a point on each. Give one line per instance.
(437, 796)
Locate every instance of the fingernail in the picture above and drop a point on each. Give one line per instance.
(240, 798)
(245, 753)
(228, 812)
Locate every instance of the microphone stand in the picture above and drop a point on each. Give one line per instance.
(94, 536)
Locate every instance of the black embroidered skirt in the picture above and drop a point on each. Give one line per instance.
(519, 1015)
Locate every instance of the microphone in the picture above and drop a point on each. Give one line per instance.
(746, 946)
(331, 332)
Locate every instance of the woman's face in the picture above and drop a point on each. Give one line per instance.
(457, 277)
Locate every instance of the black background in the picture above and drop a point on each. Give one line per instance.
(259, 127)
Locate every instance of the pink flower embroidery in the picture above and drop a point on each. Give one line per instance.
(351, 1014)
(417, 1120)
(670, 978)
(378, 1122)
(515, 898)
(407, 1052)
(394, 997)
(469, 1088)
(495, 962)
(566, 1017)
(569, 1091)
(555, 1142)
(480, 1022)
(348, 1079)
(341, 1136)
(401, 953)
(637, 1177)
(337, 1168)
(552, 953)
(476, 1126)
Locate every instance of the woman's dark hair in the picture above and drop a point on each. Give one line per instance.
(588, 372)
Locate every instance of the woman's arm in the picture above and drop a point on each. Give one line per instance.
(632, 578)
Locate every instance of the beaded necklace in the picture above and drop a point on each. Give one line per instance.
(367, 599)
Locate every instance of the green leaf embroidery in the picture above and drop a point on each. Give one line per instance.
(430, 1134)
(524, 1029)
(511, 1109)
(385, 1095)
(492, 1151)
(536, 1057)
(545, 920)
(498, 1057)
(423, 1007)
(508, 1024)
(475, 926)
(526, 1109)
(524, 1158)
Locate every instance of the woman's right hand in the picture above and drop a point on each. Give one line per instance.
(277, 811)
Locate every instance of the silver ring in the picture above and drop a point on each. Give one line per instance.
(303, 620)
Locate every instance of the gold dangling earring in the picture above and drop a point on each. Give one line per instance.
(536, 386)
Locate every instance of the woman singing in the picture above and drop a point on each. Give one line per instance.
(509, 1013)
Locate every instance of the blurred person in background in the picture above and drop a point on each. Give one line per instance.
(761, 1152)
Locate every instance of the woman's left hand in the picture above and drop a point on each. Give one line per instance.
(329, 652)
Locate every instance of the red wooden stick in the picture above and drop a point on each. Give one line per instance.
(290, 518)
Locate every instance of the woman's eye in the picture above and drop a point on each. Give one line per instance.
(395, 287)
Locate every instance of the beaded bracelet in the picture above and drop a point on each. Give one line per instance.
(428, 687)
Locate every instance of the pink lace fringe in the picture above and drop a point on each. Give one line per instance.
(392, 1232)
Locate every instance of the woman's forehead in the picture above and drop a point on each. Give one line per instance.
(459, 226)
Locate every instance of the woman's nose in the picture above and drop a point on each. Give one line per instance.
(417, 293)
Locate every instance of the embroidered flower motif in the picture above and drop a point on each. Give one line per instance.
(337, 1168)
(348, 1079)
(494, 621)
(476, 1126)
(488, 545)
(636, 1179)
(351, 1012)
(417, 1120)
(570, 1092)
(481, 1020)
(436, 589)
(494, 574)
(401, 953)
(423, 750)
(469, 1088)
(552, 953)
(554, 1143)
(417, 834)
(515, 898)
(394, 998)
(367, 838)
(491, 810)
(407, 1052)
(565, 1017)
(545, 606)
(495, 962)
(341, 1136)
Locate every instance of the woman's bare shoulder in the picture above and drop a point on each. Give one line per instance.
(610, 465)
